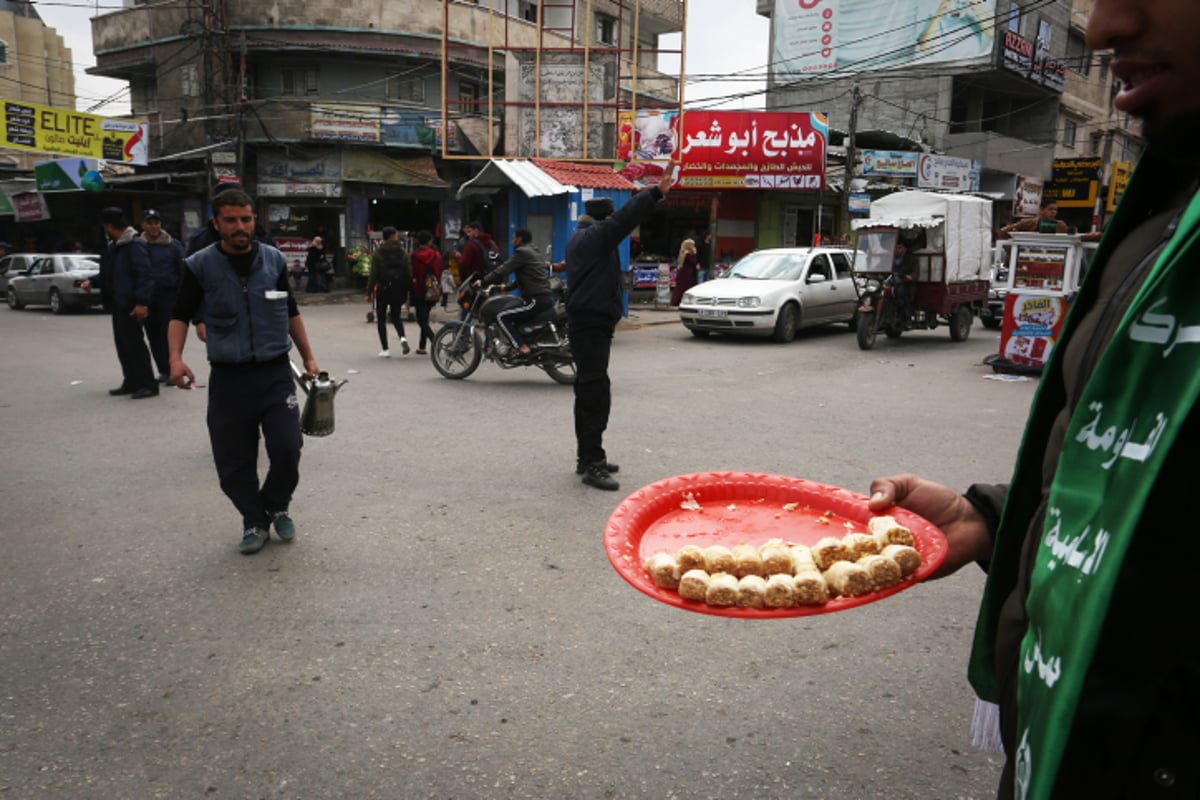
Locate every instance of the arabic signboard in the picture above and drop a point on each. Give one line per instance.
(1043, 268)
(815, 37)
(1075, 182)
(948, 173)
(28, 126)
(752, 150)
(65, 174)
(889, 164)
(345, 123)
(30, 207)
(1121, 172)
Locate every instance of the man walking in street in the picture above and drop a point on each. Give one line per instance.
(594, 292)
(126, 289)
(166, 267)
(240, 289)
(391, 272)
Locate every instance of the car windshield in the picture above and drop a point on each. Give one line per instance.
(80, 263)
(766, 266)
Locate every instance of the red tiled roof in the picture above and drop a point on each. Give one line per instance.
(592, 176)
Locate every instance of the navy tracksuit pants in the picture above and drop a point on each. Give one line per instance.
(243, 399)
(590, 346)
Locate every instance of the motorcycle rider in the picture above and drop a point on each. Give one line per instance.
(533, 279)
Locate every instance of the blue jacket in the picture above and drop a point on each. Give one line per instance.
(245, 324)
(166, 265)
(594, 283)
(125, 278)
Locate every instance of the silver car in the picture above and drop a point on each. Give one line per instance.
(13, 265)
(54, 280)
(774, 293)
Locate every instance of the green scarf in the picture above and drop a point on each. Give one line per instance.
(1135, 402)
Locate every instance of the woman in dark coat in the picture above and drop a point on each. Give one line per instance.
(317, 267)
(685, 272)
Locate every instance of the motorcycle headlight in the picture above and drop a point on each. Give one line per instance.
(749, 302)
(872, 285)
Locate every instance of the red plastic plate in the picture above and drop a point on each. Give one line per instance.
(750, 508)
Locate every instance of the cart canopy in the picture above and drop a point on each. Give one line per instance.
(958, 225)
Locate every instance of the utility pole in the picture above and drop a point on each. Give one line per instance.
(850, 157)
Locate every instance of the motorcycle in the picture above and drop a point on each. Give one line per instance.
(459, 347)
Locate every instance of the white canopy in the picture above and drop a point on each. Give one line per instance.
(957, 224)
(501, 173)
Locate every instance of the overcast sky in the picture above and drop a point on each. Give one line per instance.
(725, 38)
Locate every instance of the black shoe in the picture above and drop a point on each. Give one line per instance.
(581, 468)
(164, 378)
(120, 390)
(143, 393)
(596, 475)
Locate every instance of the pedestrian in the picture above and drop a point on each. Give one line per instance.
(391, 271)
(594, 292)
(1086, 633)
(126, 285)
(475, 257)
(533, 279)
(166, 267)
(448, 287)
(1046, 221)
(685, 270)
(208, 234)
(316, 264)
(426, 264)
(704, 257)
(241, 290)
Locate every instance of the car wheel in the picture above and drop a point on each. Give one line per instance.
(57, 306)
(866, 330)
(785, 325)
(13, 302)
(961, 322)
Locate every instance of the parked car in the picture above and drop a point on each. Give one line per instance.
(14, 264)
(54, 280)
(774, 293)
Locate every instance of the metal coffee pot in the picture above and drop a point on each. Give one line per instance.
(317, 417)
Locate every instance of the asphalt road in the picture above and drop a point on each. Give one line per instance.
(447, 624)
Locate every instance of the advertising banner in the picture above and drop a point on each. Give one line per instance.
(1040, 267)
(28, 126)
(1032, 325)
(66, 175)
(30, 207)
(345, 123)
(889, 164)
(948, 173)
(731, 149)
(819, 38)
(1027, 199)
(1074, 182)
(1121, 172)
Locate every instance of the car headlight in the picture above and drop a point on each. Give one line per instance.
(688, 299)
(749, 302)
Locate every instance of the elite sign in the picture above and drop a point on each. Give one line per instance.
(28, 126)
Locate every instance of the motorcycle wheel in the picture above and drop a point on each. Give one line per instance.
(961, 322)
(455, 352)
(892, 331)
(866, 331)
(561, 372)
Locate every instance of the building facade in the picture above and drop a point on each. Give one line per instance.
(35, 67)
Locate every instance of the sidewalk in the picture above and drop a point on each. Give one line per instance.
(640, 314)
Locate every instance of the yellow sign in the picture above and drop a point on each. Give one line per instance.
(1121, 170)
(28, 126)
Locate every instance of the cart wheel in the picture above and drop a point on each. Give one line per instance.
(960, 323)
(991, 324)
(866, 330)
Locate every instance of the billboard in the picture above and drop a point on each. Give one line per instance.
(28, 126)
(731, 149)
(828, 38)
(1074, 182)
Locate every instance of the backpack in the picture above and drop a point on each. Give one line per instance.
(491, 256)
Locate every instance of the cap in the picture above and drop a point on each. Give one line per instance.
(598, 207)
(151, 214)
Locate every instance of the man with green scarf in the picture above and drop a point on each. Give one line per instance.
(1086, 636)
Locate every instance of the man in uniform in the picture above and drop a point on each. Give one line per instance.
(166, 267)
(241, 291)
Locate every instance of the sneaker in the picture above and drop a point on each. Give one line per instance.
(253, 541)
(384, 354)
(421, 351)
(596, 475)
(581, 468)
(285, 528)
(404, 348)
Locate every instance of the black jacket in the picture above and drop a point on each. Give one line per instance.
(390, 266)
(594, 283)
(125, 278)
(533, 274)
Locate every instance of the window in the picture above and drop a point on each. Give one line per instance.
(529, 11)
(298, 82)
(411, 90)
(819, 266)
(1070, 131)
(606, 29)
(3, 52)
(468, 95)
(1014, 18)
(1079, 58)
(842, 265)
(1043, 40)
(1094, 144)
(189, 80)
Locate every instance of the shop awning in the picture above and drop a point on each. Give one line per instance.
(500, 174)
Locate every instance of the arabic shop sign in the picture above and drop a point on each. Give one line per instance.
(752, 150)
(28, 126)
(889, 164)
(948, 173)
(67, 175)
(1118, 180)
(1074, 182)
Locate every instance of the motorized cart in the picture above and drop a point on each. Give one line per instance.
(949, 237)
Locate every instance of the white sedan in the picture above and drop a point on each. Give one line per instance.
(775, 293)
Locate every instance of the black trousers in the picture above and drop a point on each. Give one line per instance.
(421, 307)
(590, 347)
(136, 370)
(388, 300)
(156, 331)
(242, 399)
